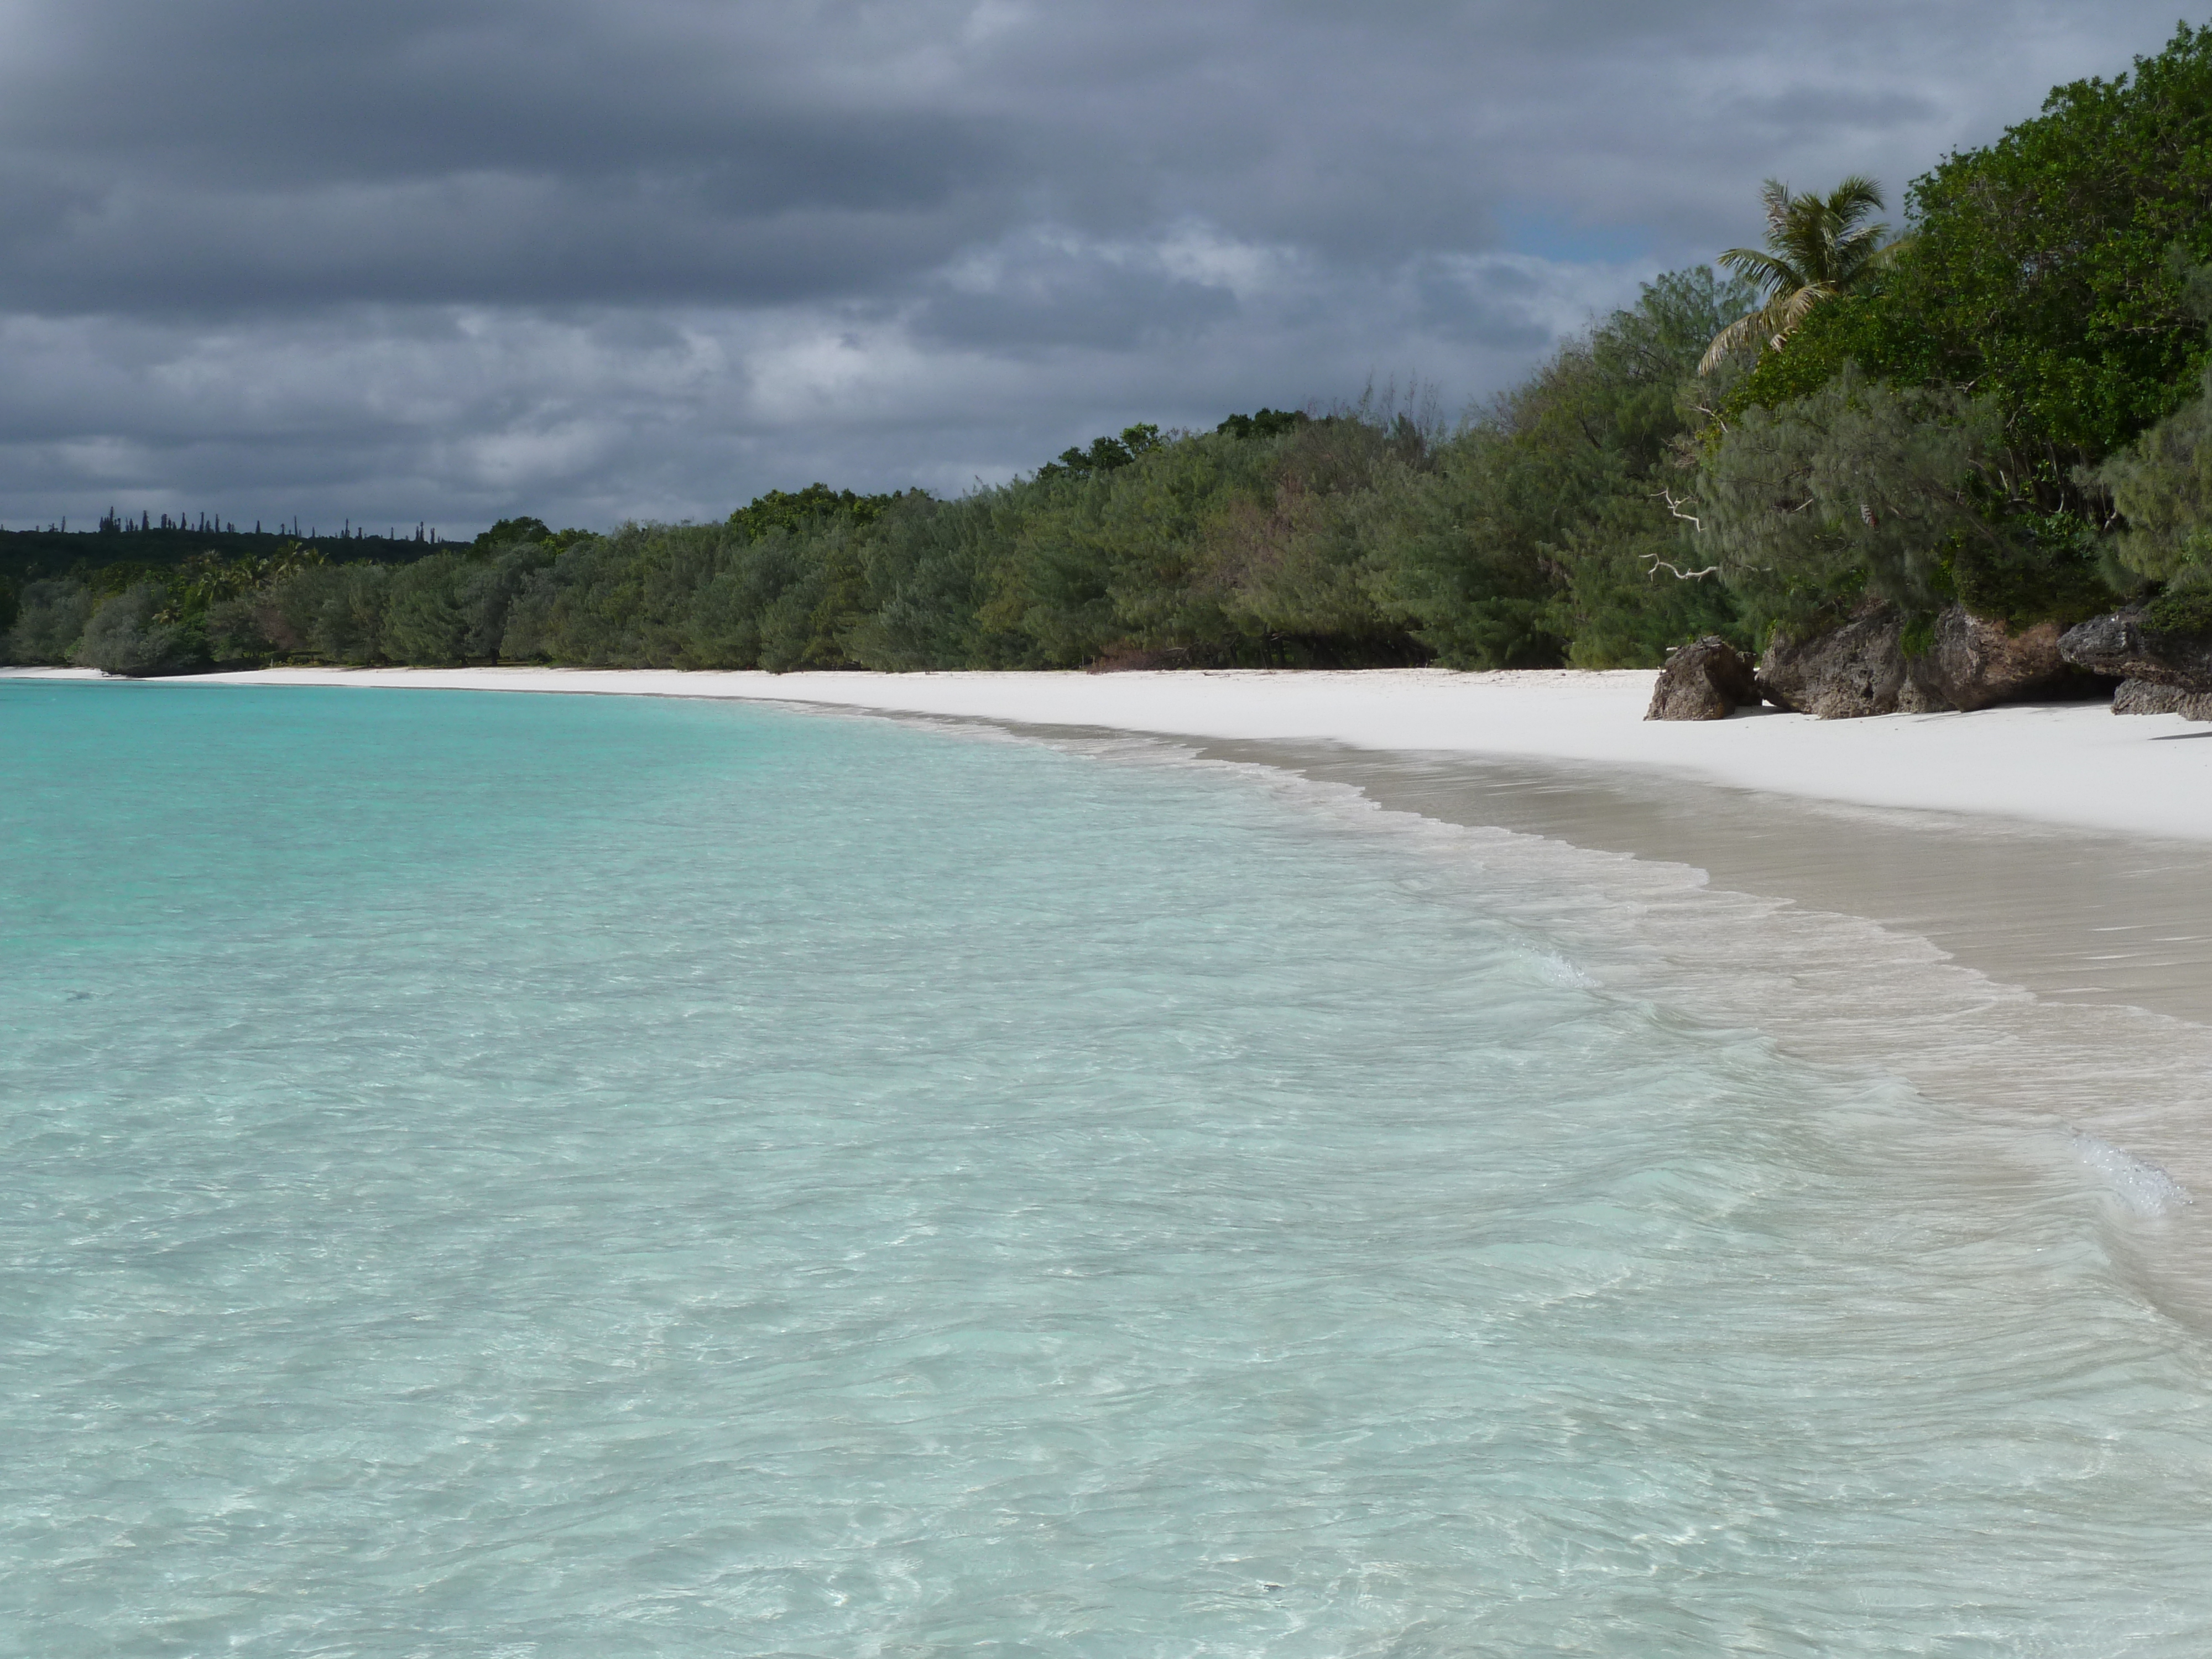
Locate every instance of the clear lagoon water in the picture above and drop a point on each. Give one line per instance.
(544, 1175)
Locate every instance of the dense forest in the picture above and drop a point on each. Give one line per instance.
(2005, 407)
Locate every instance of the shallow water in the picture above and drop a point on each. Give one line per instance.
(589, 1177)
(2074, 916)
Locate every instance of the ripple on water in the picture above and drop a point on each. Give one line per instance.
(588, 1176)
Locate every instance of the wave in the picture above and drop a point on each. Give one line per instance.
(1841, 992)
(2141, 1185)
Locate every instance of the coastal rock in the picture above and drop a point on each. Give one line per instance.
(2150, 697)
(1849, 672)
(1976, 661)
(1704, 680)
(2119, 645)
(1860, 668)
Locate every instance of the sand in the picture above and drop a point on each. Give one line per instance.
(2056, 847)
(2009, 911)
(2070, 764)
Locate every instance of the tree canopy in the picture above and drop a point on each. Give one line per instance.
(1818, 248)
(2048, 270)
(2007, 407)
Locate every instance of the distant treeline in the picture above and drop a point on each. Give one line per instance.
(2006, 409)
(28, 554)
(1364, 536)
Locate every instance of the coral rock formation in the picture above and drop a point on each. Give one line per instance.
(2118, 644)
(1704, 680)
(1860, 668)
(2150, 697)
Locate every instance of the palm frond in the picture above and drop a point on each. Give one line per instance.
(1863, 236)
(1774, 195)
(1799, 306)
(1818, 247)
(1888, 251)
(1729, 341)
(1853, 198)
(1761, 270)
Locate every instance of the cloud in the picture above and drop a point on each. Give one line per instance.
(463, 258)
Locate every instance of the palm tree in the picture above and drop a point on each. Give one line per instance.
(1817, 247)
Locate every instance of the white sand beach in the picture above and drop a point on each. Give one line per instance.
(2054, 847)
(2070, 764)
(2011, 911)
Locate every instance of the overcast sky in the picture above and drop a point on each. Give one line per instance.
(593, 259)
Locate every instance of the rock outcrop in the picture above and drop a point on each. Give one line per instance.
(1704, 680)
(1860, 668)
(1850, 671)
(2120, 645)
(1975, 661)
(2150, 697)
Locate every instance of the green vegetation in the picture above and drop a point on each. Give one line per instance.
(2008, 407)
(1818, 248)
(2022, 367)
(1361, 536)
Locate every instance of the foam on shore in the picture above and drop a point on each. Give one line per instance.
(1879, 967)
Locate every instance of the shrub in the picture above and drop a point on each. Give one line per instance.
(49, 619)
(422, 619)
(333, 611)
(2185, 610)
(235, 631)
(129, 635)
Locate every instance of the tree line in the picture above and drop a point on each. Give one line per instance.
(2005, 407)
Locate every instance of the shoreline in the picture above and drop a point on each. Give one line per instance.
(2073, 765)
(2070, 915)
(2096, 889)
(2048, 966)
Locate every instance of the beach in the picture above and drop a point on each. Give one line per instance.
(2052, 846)
(2011, 907)
(2073, 764)
(1133, 1072)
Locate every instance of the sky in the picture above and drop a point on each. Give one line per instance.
(451, 260)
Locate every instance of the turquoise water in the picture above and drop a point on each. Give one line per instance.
(534, 1176)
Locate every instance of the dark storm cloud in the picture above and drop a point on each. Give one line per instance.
(451, 258)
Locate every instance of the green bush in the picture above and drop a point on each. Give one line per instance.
(2181, 610)
(50, 618)
(334, 613)
(1857, 488)
(130, 635)
(2048, 270)
(235, 632)
(422, 620)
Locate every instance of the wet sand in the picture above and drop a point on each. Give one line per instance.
(2070, 916)
(2043, 956)
(2054, 848)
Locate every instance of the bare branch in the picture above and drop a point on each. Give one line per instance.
(1679, 575)
(1675, 507)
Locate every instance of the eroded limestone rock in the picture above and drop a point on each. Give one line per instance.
(1704, 680)
(1975, 661)
(1851, 671)
(2119, 645)
(2150, 697)
(1860, 668)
